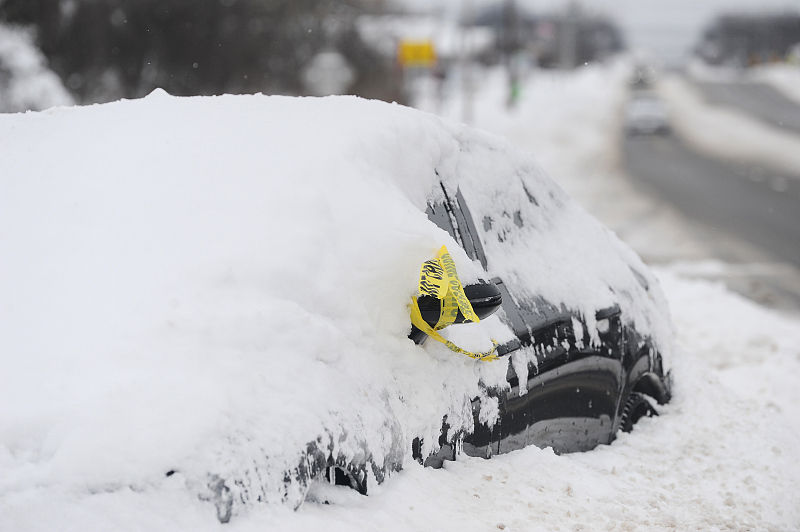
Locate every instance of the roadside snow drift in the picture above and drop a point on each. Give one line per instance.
(728, 134)
(193, 289)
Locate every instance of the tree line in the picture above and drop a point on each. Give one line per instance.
(108, 49)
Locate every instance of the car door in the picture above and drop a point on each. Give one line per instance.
(568, 396)
(563, 388)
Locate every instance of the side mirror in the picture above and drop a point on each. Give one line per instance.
(484, 297)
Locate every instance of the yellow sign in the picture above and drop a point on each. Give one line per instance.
(416, 53)
(438, 278)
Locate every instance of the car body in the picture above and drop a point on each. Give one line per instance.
(646, 114)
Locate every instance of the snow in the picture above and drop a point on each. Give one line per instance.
(163, 337)
(206, 285)
(25, 80)
(726, 133)
(783, 77)
(719, 457)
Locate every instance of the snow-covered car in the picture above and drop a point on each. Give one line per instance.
(213, 294)
(646, 114)
(581, 387)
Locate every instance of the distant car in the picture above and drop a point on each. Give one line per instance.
(646, 115)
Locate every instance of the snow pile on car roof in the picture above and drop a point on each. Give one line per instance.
(203, 286)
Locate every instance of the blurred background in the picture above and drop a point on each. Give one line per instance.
(102, 50)
(677, 122)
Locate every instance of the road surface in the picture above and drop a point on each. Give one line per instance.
(751, 202)
(731, 201)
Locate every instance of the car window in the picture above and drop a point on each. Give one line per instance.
(452, 215)
(438, 214)
(471, 240)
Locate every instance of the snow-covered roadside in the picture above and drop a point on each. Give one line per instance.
(783, 77)
(720, 457)
(727, 134)
(25, 80)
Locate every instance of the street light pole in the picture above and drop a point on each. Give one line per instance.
(466, 63)
(568, 45)
(510, 43)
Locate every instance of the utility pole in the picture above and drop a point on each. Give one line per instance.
(510, 44)
(466, 63)
(568, 37)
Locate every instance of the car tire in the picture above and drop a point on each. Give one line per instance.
(636, 407)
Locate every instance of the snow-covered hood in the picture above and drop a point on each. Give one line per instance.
(203, 284)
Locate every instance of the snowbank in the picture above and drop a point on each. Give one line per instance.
(205, 285)
(783, 77)
(728, 134)
(25, 81)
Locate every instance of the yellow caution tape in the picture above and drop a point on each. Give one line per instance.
(438, 278)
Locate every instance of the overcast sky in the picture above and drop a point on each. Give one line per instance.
(665, 28)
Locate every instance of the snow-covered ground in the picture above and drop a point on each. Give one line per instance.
(720, 457)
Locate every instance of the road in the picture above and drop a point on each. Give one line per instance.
(754, 203)
(756, 99)
(740, 202)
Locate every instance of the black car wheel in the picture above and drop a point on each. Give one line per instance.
(636, 407)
